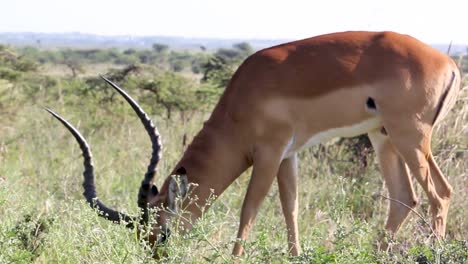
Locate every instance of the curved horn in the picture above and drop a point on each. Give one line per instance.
(155, 143)
(88, 173)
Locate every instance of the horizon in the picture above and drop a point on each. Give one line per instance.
(188, 38)
(437, 23)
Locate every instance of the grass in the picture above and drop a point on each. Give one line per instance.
(44, 218)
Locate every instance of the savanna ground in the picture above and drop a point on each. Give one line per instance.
(44, 218)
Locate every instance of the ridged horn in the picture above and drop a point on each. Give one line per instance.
(88, 174)
(153, 133)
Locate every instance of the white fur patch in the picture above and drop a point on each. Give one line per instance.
(348, 131)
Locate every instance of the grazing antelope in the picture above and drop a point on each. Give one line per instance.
(287, 97)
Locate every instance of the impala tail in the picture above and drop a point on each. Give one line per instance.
(448, 97)
(146, 185)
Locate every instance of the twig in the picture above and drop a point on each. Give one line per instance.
(449, 48)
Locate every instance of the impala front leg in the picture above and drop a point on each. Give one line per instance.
(265, 168)
(287, 184)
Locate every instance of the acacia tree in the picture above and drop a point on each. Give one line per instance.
(219, 68)
(12, 65)
(73, 61)
(160, 48)
(171, 91)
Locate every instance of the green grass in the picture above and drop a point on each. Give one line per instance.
(44, 219)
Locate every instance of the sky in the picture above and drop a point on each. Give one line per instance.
(436, 22)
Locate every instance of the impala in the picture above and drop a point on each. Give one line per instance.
(285, 98)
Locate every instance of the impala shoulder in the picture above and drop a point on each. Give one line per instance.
(275, 54)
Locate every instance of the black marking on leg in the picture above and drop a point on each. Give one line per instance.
(383, 131)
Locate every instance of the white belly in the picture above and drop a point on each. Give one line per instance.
(323, 136)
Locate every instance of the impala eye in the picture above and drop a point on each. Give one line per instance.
(154, 190)
(165, 234)
(181, 171)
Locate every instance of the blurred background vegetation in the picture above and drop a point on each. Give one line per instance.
(44, 218)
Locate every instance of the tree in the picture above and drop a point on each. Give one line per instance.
(146, 56)
(218, 70)
(160, 48)
(129, 51)
(13, 65)
(244, 47)
(171, 91)
(221, 66)
(72, 61)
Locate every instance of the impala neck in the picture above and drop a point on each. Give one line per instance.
(213, 160)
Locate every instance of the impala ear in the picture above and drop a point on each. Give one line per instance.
(178, 187)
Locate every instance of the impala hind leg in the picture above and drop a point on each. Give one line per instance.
(287, 184)
(265, 167)
(397, 180)
(414, 147)
(444, 193)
